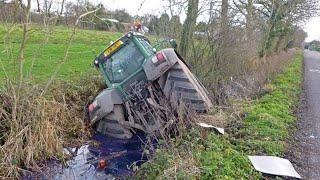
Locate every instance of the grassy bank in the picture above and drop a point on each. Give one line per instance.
(45, 50)
(36, 123)
(263, 131)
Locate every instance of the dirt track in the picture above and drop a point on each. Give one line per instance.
(305, 148)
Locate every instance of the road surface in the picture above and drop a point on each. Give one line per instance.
(305, 152)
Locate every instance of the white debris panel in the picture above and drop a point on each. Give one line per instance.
(274, 165)
(220, 130)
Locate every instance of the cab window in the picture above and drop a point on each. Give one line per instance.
(147, 45)
(123, 63)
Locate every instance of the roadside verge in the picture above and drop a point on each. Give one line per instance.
(264, 130)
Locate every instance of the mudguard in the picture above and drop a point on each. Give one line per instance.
(104, 104)
(154, 68)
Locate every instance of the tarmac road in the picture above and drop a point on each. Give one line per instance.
(305, 148)
(312, 87)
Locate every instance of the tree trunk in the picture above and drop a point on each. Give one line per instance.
(188, 26)
(59, 20)
(224, 17)
(220, 59)
(249, 21)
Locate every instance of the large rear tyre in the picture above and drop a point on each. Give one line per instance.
(180, 85)
(112, 124)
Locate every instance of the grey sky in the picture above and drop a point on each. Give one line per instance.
(132, 6)
(312, 27)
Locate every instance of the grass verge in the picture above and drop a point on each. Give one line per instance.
(45, 49)
(263, 131)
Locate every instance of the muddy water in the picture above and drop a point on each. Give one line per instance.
(118, 155)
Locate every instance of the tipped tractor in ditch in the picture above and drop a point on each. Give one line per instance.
(138, 77)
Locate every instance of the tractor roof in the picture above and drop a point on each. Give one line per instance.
(126, 36)
(103, 55)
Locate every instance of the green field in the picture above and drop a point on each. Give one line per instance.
(45, 49)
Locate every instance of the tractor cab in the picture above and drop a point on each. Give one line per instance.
(122, 62)
(124, 58)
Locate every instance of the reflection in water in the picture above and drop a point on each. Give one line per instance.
(118, 154)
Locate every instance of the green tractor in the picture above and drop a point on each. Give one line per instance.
(136, 74)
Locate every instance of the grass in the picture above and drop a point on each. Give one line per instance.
(263, 131)
(199, 154)
(35, 126)
(45, 49)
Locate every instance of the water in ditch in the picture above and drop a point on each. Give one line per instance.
(118, 154)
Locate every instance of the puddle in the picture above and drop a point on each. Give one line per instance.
(118, 154)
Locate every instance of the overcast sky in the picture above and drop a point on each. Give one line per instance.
(312, 27)
(133, 6)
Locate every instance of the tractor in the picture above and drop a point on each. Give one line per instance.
(136, 75)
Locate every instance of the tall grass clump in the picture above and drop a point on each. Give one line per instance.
(38, 119)
(33, 130)
(35, 127)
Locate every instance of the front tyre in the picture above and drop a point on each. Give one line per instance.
(111, 124)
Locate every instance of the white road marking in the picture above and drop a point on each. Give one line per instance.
(314, 70)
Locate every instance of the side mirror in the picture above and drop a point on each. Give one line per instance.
(173, 43)
(95, 62)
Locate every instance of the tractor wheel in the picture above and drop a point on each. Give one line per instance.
(111, 124)
(179, 84)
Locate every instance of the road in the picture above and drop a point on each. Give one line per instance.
(305, 149)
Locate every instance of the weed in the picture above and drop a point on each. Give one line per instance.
(42, 125)
(263, 131)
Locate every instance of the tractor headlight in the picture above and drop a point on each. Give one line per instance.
(93, 106)
(96, 63)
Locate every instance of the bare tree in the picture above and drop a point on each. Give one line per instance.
(249, 20)
(281, 17)
(38, 6)
(246, 8)
(220, 57)
(61, 11)
(224, 20)
(47, 4)
(188, 26)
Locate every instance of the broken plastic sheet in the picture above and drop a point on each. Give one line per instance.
(274, 165)
(220, 130)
